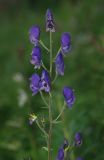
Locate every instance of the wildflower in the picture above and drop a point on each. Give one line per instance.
(65, 42)
(78, 139)
(49, 21)
(32, 118)
(34, 35)
(60, 155)
(45, 81)
(59, 64)
(34, 83)
(69, 96)
(36, 57)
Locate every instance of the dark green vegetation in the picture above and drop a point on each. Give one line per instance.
(84, 72)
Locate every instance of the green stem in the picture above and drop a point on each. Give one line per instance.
(57, 54)
(44, 66)
(61, 112)
(50, 130)
(43, 99)
(42, 129)
(50, 53)
(54, 79)
(50, 104)
(43, 45)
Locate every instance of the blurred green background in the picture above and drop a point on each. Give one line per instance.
(84, 72)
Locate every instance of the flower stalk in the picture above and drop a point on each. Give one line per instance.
(50, 104)
(50, 53)
(40, 83)
(43, 45)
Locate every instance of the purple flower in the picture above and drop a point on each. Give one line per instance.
(34, 35)
(45, 83)
(69, 96)
(78, 139)
(59, 64)
(60, 155)
(79, 158)
(34, 83)
(49, 21)
(36, 57)
(65, 42)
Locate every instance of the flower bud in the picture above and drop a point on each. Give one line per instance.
(32, 118)
(78, 139)
(49, 21)
(66, 144)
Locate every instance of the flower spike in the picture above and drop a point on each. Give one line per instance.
(50, 26)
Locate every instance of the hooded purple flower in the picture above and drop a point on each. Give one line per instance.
(65, 42)
(45, 83)
(60, 155)
(49, 21)
(34, 83)
(78, 139)
(69, 96)
(36, 57)
(34, 35)
(59, 64)
(79, 158)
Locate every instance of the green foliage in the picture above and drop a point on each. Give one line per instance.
(84, 72)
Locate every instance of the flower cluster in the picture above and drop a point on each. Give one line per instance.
(68, 147)
(43, 81)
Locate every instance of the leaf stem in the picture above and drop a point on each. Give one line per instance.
(45, 102)
(43, 45)
(63, 108)
(57, 54)
(44, 66)
(54, 79)
(41, 128)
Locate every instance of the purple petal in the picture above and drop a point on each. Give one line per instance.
(69, 96)
(60, 155)
(36, 57)
(65, 42)
(34, 35)
(59, 64)
(34, 83)
(78, 139)
(49, 21)
(45, 83)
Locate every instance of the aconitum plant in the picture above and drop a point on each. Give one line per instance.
(43, 82)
